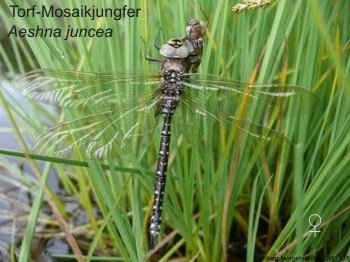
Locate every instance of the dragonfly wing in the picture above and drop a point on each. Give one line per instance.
(215, 118)
(232, 110)
(233, 95)
(97, 135)
(81, 90)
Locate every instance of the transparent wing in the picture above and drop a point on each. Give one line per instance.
(233, 107)
(121, 129)
(118, 109)
(227, 123)
(80, 90)
(232, 95)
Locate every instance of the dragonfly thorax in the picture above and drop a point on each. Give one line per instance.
(171, 88)
(174, 48)
(171, 82)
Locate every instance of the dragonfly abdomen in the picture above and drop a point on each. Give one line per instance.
(161, 174)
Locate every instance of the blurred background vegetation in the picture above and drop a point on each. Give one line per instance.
(216, 208)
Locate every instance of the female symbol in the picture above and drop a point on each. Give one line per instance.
(314, 226)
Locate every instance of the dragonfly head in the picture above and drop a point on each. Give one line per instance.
(195, 29)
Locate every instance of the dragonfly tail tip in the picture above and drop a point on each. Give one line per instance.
(153, 242)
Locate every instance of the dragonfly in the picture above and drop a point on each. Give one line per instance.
(121, 110)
